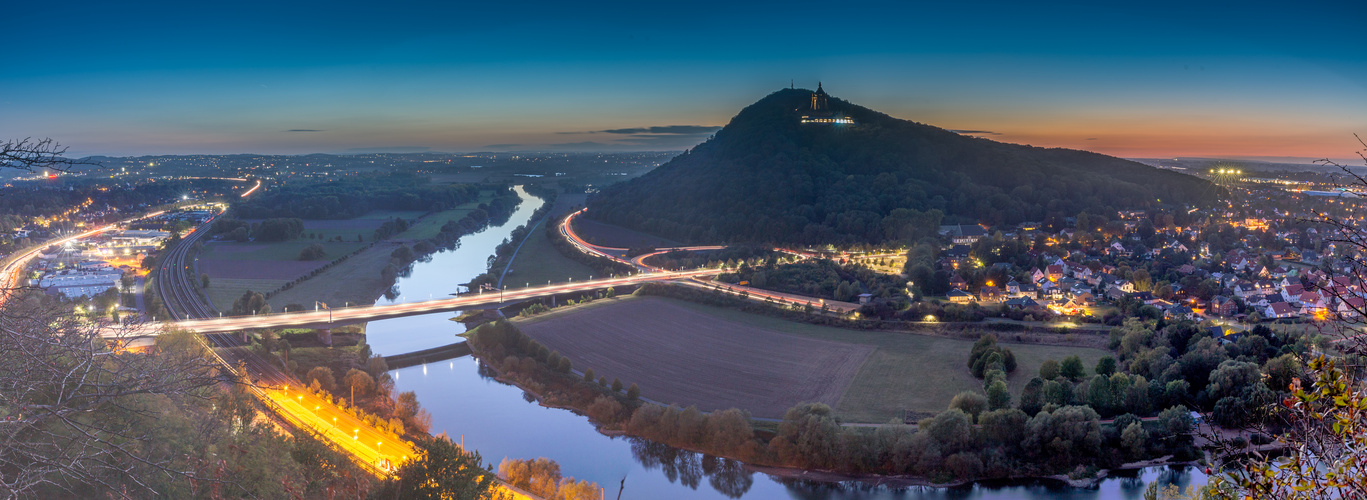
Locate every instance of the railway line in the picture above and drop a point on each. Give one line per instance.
(289, 399)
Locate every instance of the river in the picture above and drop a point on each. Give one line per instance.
(500, 421)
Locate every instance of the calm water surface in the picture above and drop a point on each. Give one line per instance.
(500, 421)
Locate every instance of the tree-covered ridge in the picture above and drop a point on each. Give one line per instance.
(765, 177)
(347, 198)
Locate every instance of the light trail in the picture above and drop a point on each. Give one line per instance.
(252, 190)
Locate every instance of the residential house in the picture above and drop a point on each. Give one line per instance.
(1223, 306)
(989, 294)
(1280, 310)
(959, 296)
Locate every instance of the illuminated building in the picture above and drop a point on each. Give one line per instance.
(820, 111)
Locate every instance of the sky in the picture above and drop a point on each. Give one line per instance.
(1284, 81)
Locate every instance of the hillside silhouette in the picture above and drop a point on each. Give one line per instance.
(766, 177)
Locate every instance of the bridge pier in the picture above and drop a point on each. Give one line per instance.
(244, 337)
(325, 336)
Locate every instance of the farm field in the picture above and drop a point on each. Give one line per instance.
(687, 357)
(908, 371)
(901, 371)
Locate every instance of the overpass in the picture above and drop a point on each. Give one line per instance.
(326, 318)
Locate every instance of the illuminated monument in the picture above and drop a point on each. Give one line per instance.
(820, 110)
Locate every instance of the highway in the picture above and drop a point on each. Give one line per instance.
(694, 277)
(357, 314)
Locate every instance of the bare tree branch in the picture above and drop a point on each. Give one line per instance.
(29, 154)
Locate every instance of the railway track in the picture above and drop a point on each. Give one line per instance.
(273, 386)
(175, 284)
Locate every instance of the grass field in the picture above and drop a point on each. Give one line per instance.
(284, 250)
(658, 344)
(539, 261)
(223, 291)
(384, 215)
(903, 371)
(357, 281)
(908, 371)
(431, 225)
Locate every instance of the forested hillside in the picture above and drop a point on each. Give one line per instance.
(768, 178)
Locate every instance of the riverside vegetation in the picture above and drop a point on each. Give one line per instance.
(977, 437)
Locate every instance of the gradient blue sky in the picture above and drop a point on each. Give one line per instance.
(1134, 79)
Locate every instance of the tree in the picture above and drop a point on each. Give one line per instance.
(358, 382)
(77, 414)
(312, 252)
(969, 402)
(1135, 440)
(1105, 366)
(322, 375)
(442, 470)
(29, 154)
(1032, 397)
(1324, 448)
(1049, 369)
(1072, 368)
(539, 476)
(998, 396)
(633, 392)
(204, 280)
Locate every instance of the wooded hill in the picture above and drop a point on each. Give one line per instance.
(768, 178)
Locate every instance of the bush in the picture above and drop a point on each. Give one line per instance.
(312, 252)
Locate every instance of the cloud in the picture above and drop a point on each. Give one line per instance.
(664, 130)
(1090, 139)
(975, 132)
(305, 130)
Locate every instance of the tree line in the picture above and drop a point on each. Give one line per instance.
(354, 196)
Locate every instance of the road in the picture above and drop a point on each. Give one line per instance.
(756, 294)
(11, 276)
(358, 314)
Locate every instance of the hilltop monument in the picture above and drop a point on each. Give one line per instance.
(820, 110)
